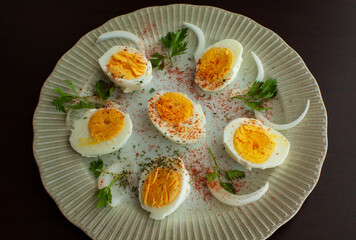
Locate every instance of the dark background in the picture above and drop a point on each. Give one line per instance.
(35, 34)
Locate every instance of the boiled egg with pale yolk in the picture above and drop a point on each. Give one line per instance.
(100, 131)
(163, 187)
(127, 68)
(177, 117)
(254, 145)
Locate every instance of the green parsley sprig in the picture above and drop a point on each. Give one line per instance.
(176, 46)
(230, 175)
(104, 90)
(258, 93)
(104, 194)
(64, 100)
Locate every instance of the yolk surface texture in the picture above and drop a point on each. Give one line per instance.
(126, 65)
(174, 107)
(215, 63)
(161, 187)
(254, 143)
(105, 124)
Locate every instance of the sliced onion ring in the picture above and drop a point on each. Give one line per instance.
(122, 34)
(235, 200)
(275, 126)
(260, 70)
(74, 114)
(201, 40)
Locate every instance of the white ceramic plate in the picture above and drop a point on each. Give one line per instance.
(65, 173)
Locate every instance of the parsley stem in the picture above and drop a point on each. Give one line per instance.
(115, 179)
(216, 164)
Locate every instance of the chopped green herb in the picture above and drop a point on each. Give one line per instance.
(259, 92)
(230, 175)
(176, 46)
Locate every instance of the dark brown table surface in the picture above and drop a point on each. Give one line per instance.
(35, 34)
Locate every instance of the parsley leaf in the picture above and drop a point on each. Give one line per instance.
(228, 187)
(60, 102)
(104, 194)
(259, 92)
(230, 175)
(103, 90)
(176, 46)
(157, 60)
(234, 174)
(81, 105)
(97, 167)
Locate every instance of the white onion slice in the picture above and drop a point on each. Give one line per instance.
(122, 34)
(75, 114)
(275, 126)
(235, 200)
(260, 70)
(201, 40)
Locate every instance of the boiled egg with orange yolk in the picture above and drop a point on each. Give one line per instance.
(163, 187)
(100, 131)
(127, 68)
(177, 117)
(219, 64)
(254, 145)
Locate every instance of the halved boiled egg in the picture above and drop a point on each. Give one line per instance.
(127, 68)
(177, 117)
(254, 145)
(100, 131)
(218, 65)
(163, 187)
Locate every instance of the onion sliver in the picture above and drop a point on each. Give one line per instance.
(275, 126)
(124, 35)
(235, 200)
(201, 40)
(260, 70)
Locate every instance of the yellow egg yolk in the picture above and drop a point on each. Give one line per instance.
(161, 187)
(253, 143)
(174, 107)
(105, 124)
(215, 63)
(126, 65)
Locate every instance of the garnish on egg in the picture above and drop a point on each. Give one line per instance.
(218, 66)
(177, 117)
(174, 42)
(163, 187)
(127, 68)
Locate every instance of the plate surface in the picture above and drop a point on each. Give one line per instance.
(65, 173)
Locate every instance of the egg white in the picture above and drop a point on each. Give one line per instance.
(126, 85)
(236, 49)
(278, 156)
(80, 134)
(162, 212)
(192, 128)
